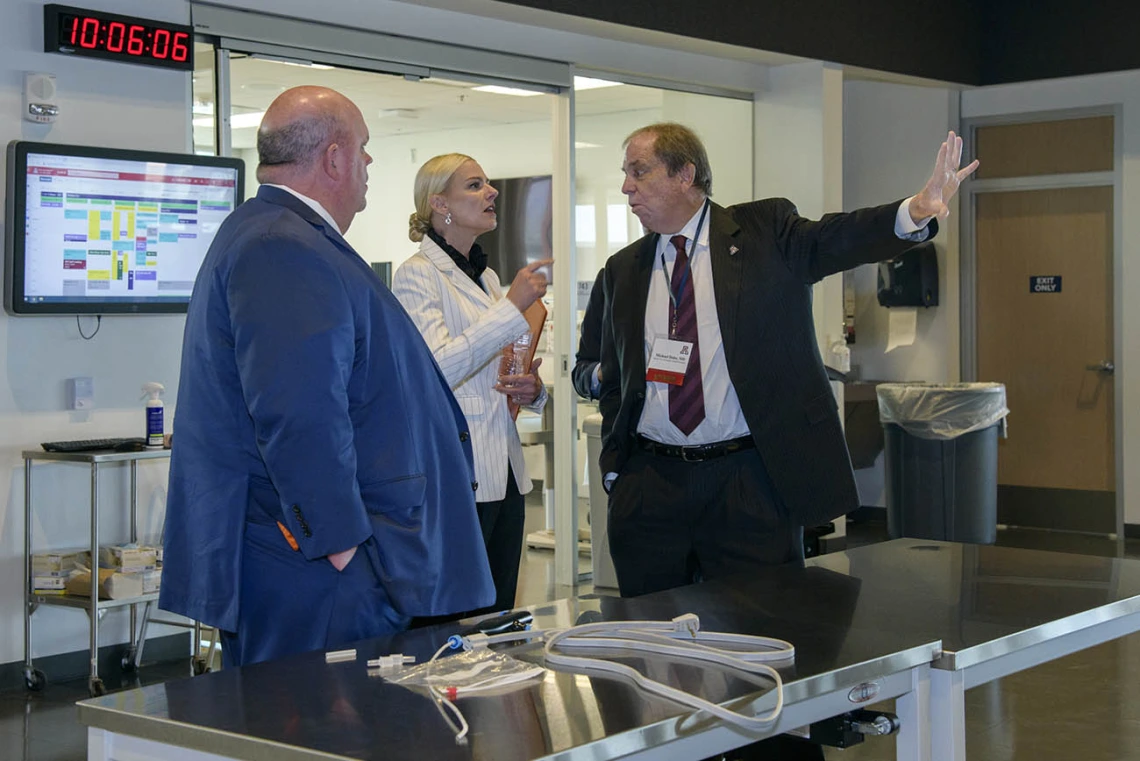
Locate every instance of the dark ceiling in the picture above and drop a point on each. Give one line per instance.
(971, 42)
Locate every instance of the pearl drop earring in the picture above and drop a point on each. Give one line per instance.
(447, 219)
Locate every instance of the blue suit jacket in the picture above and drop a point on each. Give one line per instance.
(307, 396)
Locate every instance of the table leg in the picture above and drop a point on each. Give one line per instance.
(134, 468)
(27, 569)
(948, 715)
(913, 742)
(95, 684)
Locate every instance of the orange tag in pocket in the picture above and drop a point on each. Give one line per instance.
(288, 537)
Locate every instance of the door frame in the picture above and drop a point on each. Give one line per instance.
(968, 253)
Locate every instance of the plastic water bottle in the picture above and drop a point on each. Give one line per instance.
(517, 364)
(154, 411)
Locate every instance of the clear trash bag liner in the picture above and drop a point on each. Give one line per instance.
(942, 411)
(471, 669)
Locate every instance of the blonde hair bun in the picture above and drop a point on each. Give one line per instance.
(417, 227)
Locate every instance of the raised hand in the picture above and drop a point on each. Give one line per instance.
(529, 285)
(934, 199)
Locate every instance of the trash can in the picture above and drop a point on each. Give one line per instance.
(940, 445)
(603, 566)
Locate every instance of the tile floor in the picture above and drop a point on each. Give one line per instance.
(1086, 706)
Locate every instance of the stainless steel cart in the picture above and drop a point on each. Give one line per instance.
(34, 678)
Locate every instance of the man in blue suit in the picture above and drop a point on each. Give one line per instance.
(321, 486)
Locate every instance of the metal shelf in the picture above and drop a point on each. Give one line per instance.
(35, 679)
(95, 457)
(84, 602)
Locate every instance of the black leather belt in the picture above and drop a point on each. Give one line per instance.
(698, 453)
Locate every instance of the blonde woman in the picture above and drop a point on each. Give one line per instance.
(458, 306)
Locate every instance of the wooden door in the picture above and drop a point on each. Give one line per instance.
(1049, 341)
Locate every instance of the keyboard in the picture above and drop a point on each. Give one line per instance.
(95, 445)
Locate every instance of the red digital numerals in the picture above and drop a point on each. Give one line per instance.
(117, 37)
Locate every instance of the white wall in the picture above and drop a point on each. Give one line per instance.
(1112, 90)
(892, 133)
(109, 104)
(799, 156)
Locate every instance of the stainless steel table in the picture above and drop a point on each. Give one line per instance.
(302, 708)
(996, 610)
(915, 620)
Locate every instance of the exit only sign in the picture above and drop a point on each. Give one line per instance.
(1045, 284)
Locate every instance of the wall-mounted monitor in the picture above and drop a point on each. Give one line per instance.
(524, 233)
(107, 231)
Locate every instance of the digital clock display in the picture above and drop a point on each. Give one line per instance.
(117, 38)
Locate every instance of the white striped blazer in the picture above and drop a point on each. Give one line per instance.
(466, 329)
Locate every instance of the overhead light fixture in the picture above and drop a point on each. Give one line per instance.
(590, 83)
(581, 144)
(500, 90)
(291, 62)
(263, 88)
(244, 121)
(398, 113)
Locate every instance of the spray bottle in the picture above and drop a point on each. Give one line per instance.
(154, 424)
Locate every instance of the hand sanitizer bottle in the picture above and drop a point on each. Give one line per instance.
(154, 409)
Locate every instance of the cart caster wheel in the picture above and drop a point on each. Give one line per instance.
(95, 688)
(198, 666)
(34, 679)
(128, 662)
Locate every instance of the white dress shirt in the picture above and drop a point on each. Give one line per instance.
(314, 205)
(724, 419)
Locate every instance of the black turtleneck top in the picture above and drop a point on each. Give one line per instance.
(472, 266)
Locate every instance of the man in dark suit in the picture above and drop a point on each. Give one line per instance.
(721, 438)
(321, 486)
(587, 362)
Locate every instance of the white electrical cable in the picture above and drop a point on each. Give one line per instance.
(666, 638)
(680, 639)
(442, 703)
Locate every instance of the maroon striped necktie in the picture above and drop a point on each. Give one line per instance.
(687, 401)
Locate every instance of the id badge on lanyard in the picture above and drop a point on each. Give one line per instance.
(668, 360)
(669, 356)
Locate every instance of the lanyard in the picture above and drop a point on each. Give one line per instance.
(676, 297)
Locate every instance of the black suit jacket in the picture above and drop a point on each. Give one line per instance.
(590, 342)
(763, 301)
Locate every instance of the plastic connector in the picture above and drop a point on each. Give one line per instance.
(476, 641)
(472, 641)
(392, 662)
(337, 656)
(687, 623)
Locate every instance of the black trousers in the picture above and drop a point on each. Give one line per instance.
(673, 523)
(502, 524)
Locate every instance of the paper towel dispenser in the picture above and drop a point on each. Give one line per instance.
(910, 279)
